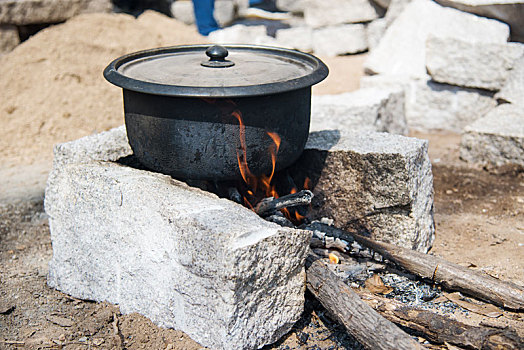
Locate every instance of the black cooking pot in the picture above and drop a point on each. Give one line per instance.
(196, 118)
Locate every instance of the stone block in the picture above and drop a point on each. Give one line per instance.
(298, 38)
(394, 10)
(375, 32)
(363, 110)
(224, 12)
(178, 255)
(402, 51)
(340, 40)
(320, 13)
(432, 106)
(241, 34)
(497, 139)
(294, 6)
(9, 38)
(513, 89)
(23, 12)
(507, 11)
(475, 65)
(383, 3)
(376, 183)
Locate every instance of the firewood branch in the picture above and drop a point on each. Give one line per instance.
(365, 324)
(270, 205)
(440, 329)
(451, 276)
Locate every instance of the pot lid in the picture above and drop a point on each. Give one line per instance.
(216, 71)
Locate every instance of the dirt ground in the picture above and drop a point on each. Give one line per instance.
(479, 215)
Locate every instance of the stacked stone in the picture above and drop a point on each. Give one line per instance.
(331, 27)
(450, 64)
(17, 13)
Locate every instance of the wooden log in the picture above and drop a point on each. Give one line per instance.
(451, 276)
(440, 329)
(365, 324)
(268, 206)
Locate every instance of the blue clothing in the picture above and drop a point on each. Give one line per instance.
(205, 20)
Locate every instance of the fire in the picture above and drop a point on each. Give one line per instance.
(258, 187)
(333, 259)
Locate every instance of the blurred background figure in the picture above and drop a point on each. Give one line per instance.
(207, 23)
(204, 18)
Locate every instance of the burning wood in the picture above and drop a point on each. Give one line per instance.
(450, 276)
(440, 329)
(365, 324)
(269, 206)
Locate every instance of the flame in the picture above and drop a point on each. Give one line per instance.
(307, 183)
(333, 259)
(261, 186)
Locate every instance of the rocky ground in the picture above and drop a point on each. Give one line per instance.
(479, 214)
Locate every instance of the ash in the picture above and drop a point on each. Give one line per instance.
(417, 293)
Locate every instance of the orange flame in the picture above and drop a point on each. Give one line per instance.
(307, 183)
(333, 259)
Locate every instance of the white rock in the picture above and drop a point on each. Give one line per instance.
(182, 10)
(224, 12)
(23, 12)
(375, 32)
(9, 38)
(295, 6)
(507, 11)
(340, 40)
(402, 50)
(364, 110)
(395, 9)
(180, 256)
(497, 139)
(373, 182)
(240, 34)
(513, 89)
(476, 65)
(432, 106)
(299, 38)
(320, 13)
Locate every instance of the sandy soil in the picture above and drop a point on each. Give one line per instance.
(55, 92)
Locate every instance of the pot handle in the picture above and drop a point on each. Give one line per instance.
(217, 57)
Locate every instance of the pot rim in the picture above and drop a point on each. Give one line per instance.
(319, 73)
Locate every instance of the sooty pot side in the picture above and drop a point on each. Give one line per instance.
(200, 138)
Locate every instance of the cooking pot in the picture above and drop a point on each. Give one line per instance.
(196, 112)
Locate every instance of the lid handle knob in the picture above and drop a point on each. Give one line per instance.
(217, 57)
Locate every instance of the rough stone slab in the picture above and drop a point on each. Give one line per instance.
(180, 256)
(299, 38)
(340, 40)
(294, 6)
(9, 38)
(320, 13)
(513, 89)
(363, 110)
(23, 12)
(475, 65)
(383, 3)
(224, 12)
(497, 139)
(373, 182)
(402, 51)
(375, 32)
(395, 9)
(507, 11)
(241, 34)
(432, 106)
